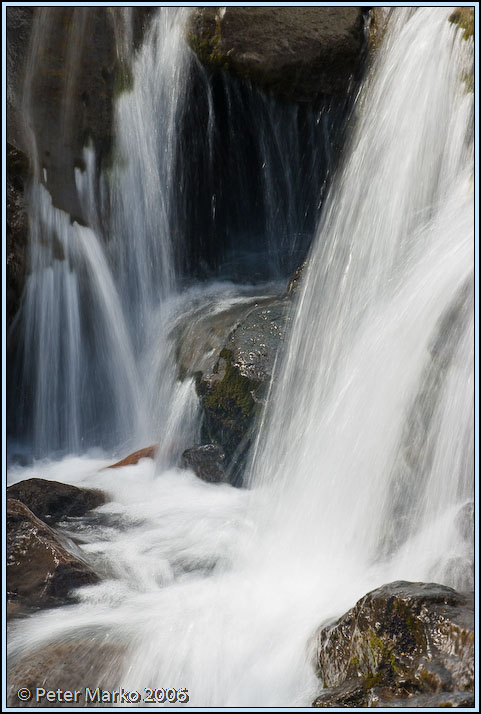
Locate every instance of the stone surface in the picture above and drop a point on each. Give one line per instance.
(148, 452)
(297, 53)
(206, 461)
(463, 17)
(296, 279)
(69, 666)
(18, 171)
(400, 641)
(40, 569)
(256, 340)
(65, 65)
(51, 501)
(231, 353)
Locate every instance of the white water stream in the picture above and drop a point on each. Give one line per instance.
(364, 456)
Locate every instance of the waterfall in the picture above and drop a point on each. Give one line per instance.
(356, 439)
(92, 289)
(364, 461)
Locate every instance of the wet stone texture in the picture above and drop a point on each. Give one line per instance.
(41, 570)
(404, 644)
(51, 500)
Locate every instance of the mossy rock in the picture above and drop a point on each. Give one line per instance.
(298, 54)
(463, 17)
(401, 640)
(229, 405)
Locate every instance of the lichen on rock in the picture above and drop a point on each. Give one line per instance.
(399, 641)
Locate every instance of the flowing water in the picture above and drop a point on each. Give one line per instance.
(364, 459)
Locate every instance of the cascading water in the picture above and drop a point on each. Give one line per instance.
(364, 458)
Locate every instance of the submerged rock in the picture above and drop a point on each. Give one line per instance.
(206, 461)
(40, 569)
(51, 501)
(400, 642)
(297, 53)
(148, 452)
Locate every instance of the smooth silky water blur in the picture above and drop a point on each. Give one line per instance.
(364, 455)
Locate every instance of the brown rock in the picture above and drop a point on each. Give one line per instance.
(403, 639)
(297, 53)
(52, 501)
(68, 666)
(40, 569)
(148, 452)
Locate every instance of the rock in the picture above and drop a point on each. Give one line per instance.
(228, 403)
(51, 501)
(400, 641)
(296, 279)
(297, 53)
(18, 170)
(40, 569)
(81, 63)
(206, 461)
(147, 452)
(69, 666)
(255, 342)
(463, 17)
(231, 354)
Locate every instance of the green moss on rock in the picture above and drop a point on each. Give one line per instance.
(463, 17)
(228, 403)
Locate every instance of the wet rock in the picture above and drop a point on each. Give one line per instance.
(68, 666)
(40, 569)
(463, 17)
(231, 354)
(18, 170)
(82, 62)
(399, 641)
(254, 344)
(51, 501)
(229, 406)
(296, 279)
(206, 461)
(296, 53)
(147, 452)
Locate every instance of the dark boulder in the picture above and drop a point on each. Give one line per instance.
(297, 53)
(40, 569)
(231, 354)
(51, 501)
(206, 461)
(400, 642)
(233, 391)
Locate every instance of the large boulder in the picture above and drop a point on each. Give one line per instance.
(233, 391)
(51, 500)
(40, 569)
(298, 53)
(401, 643)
